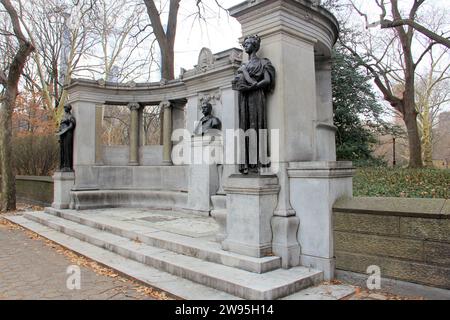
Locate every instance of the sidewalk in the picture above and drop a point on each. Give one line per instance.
(34, 268)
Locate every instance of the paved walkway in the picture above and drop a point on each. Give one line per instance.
(33, 268)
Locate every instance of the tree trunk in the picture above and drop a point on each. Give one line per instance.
(415, 150)
(8, 198)
(167, 62)
(167, 73)
(166, 41)
(427, 136)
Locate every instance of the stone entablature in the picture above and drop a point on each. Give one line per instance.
(298, 18)
(192, 81)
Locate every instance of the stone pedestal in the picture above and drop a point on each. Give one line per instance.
(315, 186)
(63, 182)
(203, 172)
(285, 243)
(220, 216)
(285, 225)
(251, 201)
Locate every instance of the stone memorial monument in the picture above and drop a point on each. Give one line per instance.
(274, 208)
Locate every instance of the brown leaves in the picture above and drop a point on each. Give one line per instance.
(74, 258)
(364, 294)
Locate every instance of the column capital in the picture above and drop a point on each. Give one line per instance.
(165, 104)
(134, 106)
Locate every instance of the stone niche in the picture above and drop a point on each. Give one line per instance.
(126, 175)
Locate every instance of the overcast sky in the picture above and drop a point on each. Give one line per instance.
(219, 33)
(222, 32)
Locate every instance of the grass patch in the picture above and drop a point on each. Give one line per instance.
(401, 182)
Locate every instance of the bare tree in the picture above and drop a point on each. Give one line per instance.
(432, 93)
(122, 44)
(165, 31)
(165, 36)
(61, 32)
(399, 21)
(9, 79)
(391, 60)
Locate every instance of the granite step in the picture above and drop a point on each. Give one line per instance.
(204, 250)
(177, 287)
(248, 285)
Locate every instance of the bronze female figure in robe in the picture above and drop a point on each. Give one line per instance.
(254, 80)
(65, 133)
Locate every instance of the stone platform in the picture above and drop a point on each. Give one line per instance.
(173, 244)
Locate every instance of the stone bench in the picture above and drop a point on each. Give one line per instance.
(157, 199)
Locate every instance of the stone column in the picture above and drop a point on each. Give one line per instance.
(325, 129)
(98, 134)
(316, 186)
(285, 224)
(84, 145)
(251, 201)
(230, 121)
(134, 133)
(167, 132)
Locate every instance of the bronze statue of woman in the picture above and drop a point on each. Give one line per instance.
(65, 133)
(255, 79)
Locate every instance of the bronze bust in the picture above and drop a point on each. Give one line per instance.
(208, 121)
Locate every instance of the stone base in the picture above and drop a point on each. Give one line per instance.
(327, 265)
(63, 182)
(257, 251)
(95, 199)
(315, 186)
(220, 216)
(285, 243)
(251, 201)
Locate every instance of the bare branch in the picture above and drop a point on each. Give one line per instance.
(14, 20)
(409, 22)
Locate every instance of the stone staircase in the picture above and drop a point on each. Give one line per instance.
(201, 262)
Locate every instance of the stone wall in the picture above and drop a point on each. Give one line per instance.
(34, 190)
(409, 239)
